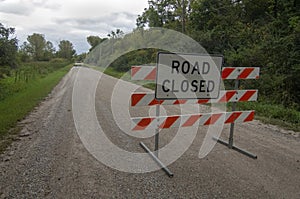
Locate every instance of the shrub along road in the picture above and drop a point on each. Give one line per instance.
(49, 160)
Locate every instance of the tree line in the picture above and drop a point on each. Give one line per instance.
(252, 33)
(36, 48)
(263, 33)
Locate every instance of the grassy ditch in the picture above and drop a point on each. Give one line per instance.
(23, 97)
(267, 113)
(274, 114)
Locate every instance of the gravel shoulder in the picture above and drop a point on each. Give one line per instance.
(48, 159)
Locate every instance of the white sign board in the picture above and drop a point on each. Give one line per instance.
(187, 76)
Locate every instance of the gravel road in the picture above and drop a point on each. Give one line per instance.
(48, 159)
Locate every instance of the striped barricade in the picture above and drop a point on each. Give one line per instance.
(148, 99)
(149, 73)
(177, 121)
(234, 96)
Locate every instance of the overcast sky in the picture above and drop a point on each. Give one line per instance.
(71, 20)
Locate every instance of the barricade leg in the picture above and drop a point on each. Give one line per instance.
(156, 147)
(230, 141)
(251, 155)
(155, 158)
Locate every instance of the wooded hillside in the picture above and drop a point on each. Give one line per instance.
(263, 33)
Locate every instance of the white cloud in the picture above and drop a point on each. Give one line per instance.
(70, 19)
(14, 7)
(25, 7)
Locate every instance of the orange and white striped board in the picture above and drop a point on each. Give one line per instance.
(177, 121)
(149, 72)
(240, 73)
(148, 99)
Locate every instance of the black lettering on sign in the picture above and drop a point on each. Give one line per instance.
(186, 67)
(194, 85)
(210, 86)
(206, 68)
(185, 86)
(202, 86)
(196, 69)
(175, 65)
(173, 87)
(163, 85)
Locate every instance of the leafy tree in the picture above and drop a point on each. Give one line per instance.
(49, 51)
(66, 50)
(23, 53)
(36, 46)
(8, 47)
(81, 57)
(115, 35)
(94, 41)
(166, 13)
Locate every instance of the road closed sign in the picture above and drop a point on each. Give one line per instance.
(187, 76)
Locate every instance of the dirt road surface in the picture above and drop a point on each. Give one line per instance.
(48, 159)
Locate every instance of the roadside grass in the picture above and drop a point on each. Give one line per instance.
(27, 72)
(16, 106)
(274, 114)
(112, 72)
(267, 113)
